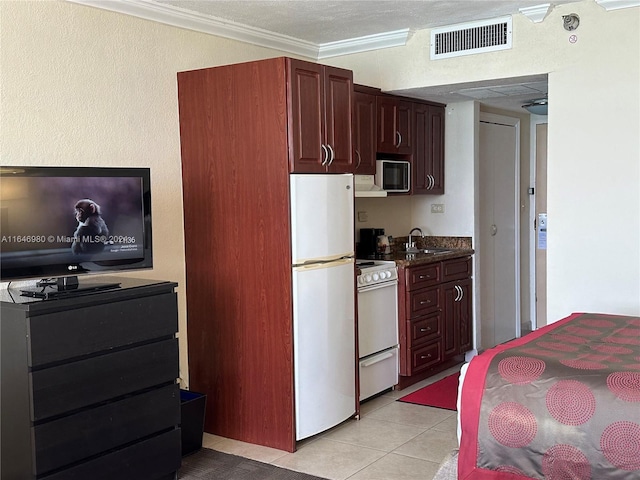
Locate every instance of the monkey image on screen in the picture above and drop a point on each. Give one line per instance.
(92, 231)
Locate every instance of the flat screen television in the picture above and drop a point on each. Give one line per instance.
(58, 223)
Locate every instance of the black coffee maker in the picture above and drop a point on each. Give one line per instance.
(367, 248)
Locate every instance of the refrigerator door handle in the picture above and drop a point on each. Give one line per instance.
(317, 265)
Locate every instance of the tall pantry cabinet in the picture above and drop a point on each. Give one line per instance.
(243, 130)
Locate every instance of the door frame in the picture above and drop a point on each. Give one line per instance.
(535, 315)
(486, 117)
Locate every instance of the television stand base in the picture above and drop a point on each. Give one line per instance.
(49, 292)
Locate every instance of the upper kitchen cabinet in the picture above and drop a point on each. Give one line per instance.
(364, 129)
(394, 124)
(428, 155)
(319, 120)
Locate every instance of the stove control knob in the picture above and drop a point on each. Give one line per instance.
(376, 277)
(367, 278)
(360, 280)
(387, 274)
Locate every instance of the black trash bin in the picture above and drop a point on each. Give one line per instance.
(192, 406)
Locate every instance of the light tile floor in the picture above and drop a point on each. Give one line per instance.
(391, 441)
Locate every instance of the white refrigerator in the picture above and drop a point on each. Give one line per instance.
(322, 239)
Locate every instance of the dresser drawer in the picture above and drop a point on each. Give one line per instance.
(426, 328)
(422, 276)
(423, 301)
(91, 432)
(426, 356)
(153, 458)
(83, 331)
(74, 385)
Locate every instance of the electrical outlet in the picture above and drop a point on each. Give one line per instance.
(363, 216)
(437, 208)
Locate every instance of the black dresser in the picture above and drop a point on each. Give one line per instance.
(89, 385)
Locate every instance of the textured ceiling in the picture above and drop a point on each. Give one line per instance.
(322, 22)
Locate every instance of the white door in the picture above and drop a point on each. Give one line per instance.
(321, 217)
(324, 345)
(498, 251)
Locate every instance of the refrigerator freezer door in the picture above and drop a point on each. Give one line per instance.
(321, 217)
(324, 345)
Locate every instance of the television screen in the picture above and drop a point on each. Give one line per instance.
(60, 221)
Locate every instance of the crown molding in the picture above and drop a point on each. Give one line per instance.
(537, 13)
(397, 38)
(168, 15)
(175, 17)
(617, 4)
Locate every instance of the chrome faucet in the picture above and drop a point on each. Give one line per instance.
(410, 246)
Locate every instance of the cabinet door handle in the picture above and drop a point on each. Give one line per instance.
(398, 138)
(359, 159)
(425, 301)
(421, 277)
(428, 329)
(332, 155)
(459, 293)
(432, 182)
(326, 155)
(422, 357)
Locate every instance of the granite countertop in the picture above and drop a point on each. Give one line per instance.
(407, 260)
(456, 247)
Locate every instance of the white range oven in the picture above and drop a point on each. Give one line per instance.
(377, 326)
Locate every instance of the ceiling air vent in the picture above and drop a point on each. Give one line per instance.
(470, 38)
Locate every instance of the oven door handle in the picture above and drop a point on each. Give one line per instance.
(377, 286)
(376, 359)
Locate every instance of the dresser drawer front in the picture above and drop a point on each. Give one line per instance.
(155, 457)
(424, 301)
(424, 357)
(67, 387)
(90, 432)
(423, 276)
(456, 269)
(83, 331)
(426, 328)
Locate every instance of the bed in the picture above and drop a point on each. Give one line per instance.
(560, 403)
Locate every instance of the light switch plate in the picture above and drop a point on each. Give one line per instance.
(437, 208)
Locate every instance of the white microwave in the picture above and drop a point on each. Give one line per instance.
(393, 175)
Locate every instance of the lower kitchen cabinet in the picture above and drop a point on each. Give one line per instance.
(435, 303)
(89, 384)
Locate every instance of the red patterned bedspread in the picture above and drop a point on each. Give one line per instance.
(560, 403)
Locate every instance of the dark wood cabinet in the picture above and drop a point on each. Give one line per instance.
(364, 132)
(457, 317)
(435, 317)
(420, 318)
(89, 384)
(457, 305)
(428, 155)
(320, 102)
(394, 124)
